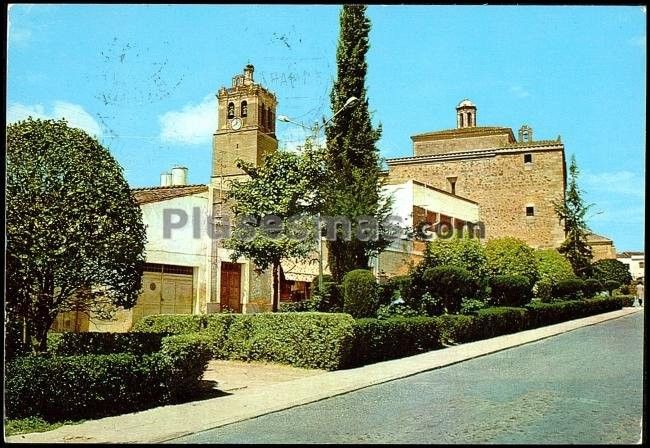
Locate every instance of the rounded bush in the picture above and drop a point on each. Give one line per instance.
(569, 289)
(552, 266)
(510, 290)
(451, 285)
(592, 287)
(511, 256)
(543, 289)
(612, 269)
(360, 293)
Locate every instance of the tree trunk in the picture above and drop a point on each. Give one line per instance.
(276, 287)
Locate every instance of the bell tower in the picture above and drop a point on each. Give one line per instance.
(466, 114)
(245, 128)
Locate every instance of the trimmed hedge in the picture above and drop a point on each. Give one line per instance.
(310, 340)
(569, 289)
(592, 287)
(451, 284)
(487, 323)
(551, 313)
(627, 300)
(381, 339)
(189, 355)
(97, 343)
(89, 386)
(510, 290)
(171, 323)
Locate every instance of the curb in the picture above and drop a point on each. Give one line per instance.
(171, 422)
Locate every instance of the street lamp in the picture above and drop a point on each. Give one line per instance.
(315, 129)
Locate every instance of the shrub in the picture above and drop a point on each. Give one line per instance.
(450, 284)
(611, 285)
(511, 256)
(398, 309)
(466, 253)
(378, 340)
(551, 313)
(471, 306)
(569, 289)
(293, 307)
(487, 323)
(311, 340)
(189, 355)
(591, 287)
(97, 343)
(217, 327)
(170, 323)
(626, 300)
(86, 386)
(510, 290)
(612, 269)
(552, 266)
(360, 292)
(394, 288)
(328, 299)
(543, 290)
(74, 387)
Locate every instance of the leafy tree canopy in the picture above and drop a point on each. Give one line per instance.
(75, 237)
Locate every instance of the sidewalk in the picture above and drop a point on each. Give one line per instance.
(169, 422)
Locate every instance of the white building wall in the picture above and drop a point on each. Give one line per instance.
(187, 245)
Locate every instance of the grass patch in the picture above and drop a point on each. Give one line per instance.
(33, 424)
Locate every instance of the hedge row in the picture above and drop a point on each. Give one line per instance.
(628, 300)
(491, 322)
(487, 323)
(381, 339)
(100, 343)
(89, 386)
(333, 341)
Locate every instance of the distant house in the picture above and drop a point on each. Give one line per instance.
(635, 261)
(602, 247)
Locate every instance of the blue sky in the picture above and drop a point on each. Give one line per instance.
(143, 79)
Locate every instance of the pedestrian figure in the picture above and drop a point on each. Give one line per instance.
(639, 293)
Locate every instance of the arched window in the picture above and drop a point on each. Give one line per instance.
(244, 109)
(462, 120)
(469, 119)
(263, 117)
(231, 110)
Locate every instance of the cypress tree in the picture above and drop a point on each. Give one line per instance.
(573, 210)
(355, 187)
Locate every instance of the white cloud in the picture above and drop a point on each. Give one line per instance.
(74, 114)
(519, 92)
(619, 182)
(194, 124)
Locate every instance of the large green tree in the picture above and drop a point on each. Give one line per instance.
(274, 210)
(75, 237)
(354, 189)
(573, 211)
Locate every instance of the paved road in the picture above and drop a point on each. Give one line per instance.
(584, 386)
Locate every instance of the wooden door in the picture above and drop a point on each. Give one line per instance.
(231, 286)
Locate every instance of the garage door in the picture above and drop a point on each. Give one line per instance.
(166, 289)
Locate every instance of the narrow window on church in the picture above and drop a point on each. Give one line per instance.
(263, 117)
(530, 211)
(462, 120)
(528, 158)
(452, 184)
(244, 109)
(469, 119)
(269, 118)
(231, 110)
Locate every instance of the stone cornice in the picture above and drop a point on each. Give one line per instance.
(548, 145)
